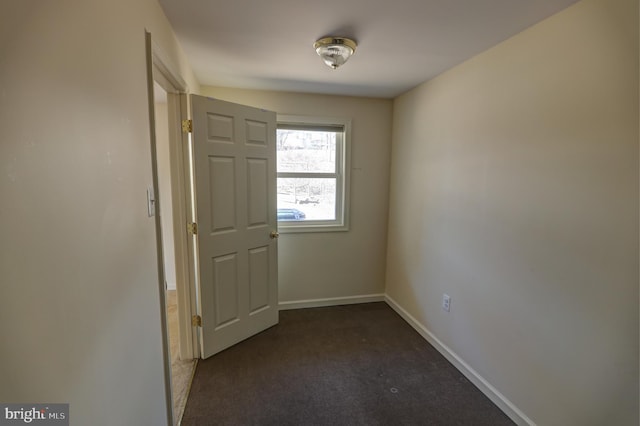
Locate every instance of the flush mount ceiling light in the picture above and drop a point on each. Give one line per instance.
(335, 51)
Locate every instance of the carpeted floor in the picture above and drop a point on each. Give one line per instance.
(344, 365)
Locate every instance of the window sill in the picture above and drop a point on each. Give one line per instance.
(301, 227)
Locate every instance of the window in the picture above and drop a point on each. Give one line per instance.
(313, 176)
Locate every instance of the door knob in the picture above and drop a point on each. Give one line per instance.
(274, 235)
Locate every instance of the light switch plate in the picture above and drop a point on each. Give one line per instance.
(151, 202)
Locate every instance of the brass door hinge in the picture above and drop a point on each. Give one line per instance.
(187, 126)
(192, 228)
(196, 321)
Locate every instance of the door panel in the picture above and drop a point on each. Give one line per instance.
(257, 133)
(225, 284)
(220, 128)
(257, 192)
(235, 190)
(259, 278)
(222, 181)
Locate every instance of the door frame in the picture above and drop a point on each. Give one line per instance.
(181, 190)
(161, 70)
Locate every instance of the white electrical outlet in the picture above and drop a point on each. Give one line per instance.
(446, 302)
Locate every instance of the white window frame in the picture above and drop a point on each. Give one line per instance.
(342, 175)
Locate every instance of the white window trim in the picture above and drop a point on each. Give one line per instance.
(343, 182)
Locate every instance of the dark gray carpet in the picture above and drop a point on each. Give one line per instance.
(344, 365)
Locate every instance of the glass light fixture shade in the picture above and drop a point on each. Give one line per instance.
(335, 51)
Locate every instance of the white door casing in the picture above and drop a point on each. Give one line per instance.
(234, 150)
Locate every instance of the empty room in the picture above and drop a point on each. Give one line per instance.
(421, 212)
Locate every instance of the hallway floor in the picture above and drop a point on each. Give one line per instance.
(181, 371)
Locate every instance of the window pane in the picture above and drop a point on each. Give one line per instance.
(306, 151)
(306, 199)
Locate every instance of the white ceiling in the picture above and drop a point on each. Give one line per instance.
(268, 44)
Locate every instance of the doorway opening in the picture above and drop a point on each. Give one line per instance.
(172, 206)
(182, 368)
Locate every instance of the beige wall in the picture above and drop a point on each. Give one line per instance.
(336, 264)
(79, 304)
(514, 189)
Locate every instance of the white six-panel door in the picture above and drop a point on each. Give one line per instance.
(235, 190)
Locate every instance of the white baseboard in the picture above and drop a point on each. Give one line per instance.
(330, 301)
(485, 387)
